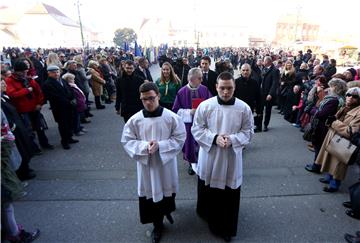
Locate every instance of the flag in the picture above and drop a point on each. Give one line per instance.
(137, 50)
(126, 46)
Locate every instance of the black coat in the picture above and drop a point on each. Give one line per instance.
(248, 91)
(210, 83)
(182, 72)
(139, 73)
(22, 133)
(270, 81)
(127, 94)
(60, 98)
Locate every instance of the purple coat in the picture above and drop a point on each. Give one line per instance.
(183, 100)
(80, 100)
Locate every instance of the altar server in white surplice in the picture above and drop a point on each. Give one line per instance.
(153, 137)
(222, 126)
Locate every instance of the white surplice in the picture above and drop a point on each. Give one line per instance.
(218, 166)
(157, 174)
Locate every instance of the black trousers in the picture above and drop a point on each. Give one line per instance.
(40, 131)
(268, 106)
(219, 207)
(151, 212)
(65, 126)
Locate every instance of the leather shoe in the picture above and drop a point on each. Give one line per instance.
(266, 129)
(26, 176)
(352, 214)
(257, 130)
(311, 168)
(48, 146)
(351, 238)
(330, 189)
(156, 234)
(66, 146)
(347, 205)
(71, 140)
(323, 180)
(190, 170)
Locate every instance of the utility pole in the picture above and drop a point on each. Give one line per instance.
(298, 12)
(80, 23)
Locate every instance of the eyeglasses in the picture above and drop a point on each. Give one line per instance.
(353, 96)
(150, 98)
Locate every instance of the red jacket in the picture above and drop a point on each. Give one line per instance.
(21, 97)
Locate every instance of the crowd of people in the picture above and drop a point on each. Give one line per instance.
(208, 114)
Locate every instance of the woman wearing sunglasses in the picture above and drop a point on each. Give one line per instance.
(346, 117)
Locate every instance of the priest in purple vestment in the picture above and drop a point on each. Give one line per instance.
(187, 100)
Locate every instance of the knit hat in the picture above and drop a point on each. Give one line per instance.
(352, 71)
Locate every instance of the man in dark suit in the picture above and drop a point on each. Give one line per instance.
(209, 76)
(62, 102)
(143, 69)
(269, 85)
(127, 92)
(248, 90)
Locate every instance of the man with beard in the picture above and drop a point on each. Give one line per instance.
(127, 88)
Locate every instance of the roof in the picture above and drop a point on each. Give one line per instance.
(42, 8)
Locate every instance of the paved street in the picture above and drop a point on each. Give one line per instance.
(88, 193)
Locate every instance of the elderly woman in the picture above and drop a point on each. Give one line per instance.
(97, 82)
(327, 108)
(346, 117)
(185, 106)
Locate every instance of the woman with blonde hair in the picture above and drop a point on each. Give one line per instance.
(53, 59)
(97, 82)
(169, 84)
(287, 82)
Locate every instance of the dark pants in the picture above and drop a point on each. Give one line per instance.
(40, 131)
(219, 207)
(65, 125)
(268, 106)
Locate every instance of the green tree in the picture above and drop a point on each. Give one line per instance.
(124, 35)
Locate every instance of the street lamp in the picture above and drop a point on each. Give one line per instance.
(80, 23)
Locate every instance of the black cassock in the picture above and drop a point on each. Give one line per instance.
(219, 207)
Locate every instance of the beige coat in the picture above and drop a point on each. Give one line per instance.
(328, 163)
(96, 82)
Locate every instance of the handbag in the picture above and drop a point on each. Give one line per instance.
(309, 130)
(341, 148)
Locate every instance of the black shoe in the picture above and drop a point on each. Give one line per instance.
(38, 152)
(66, 146)
(84, 120)
(351, 238)
(352, 214)
(190, 170)
(323, 180)
(48, 146)
(357, 233)
(71, 140)
(257, 130)
(312, 169)
(25, 236)
(169, 218)
(26, 176)
(156, 234)
(89, 114)
(100, 107)
(266, 129)
(330, 189)
(227, 238)
(347, 205)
